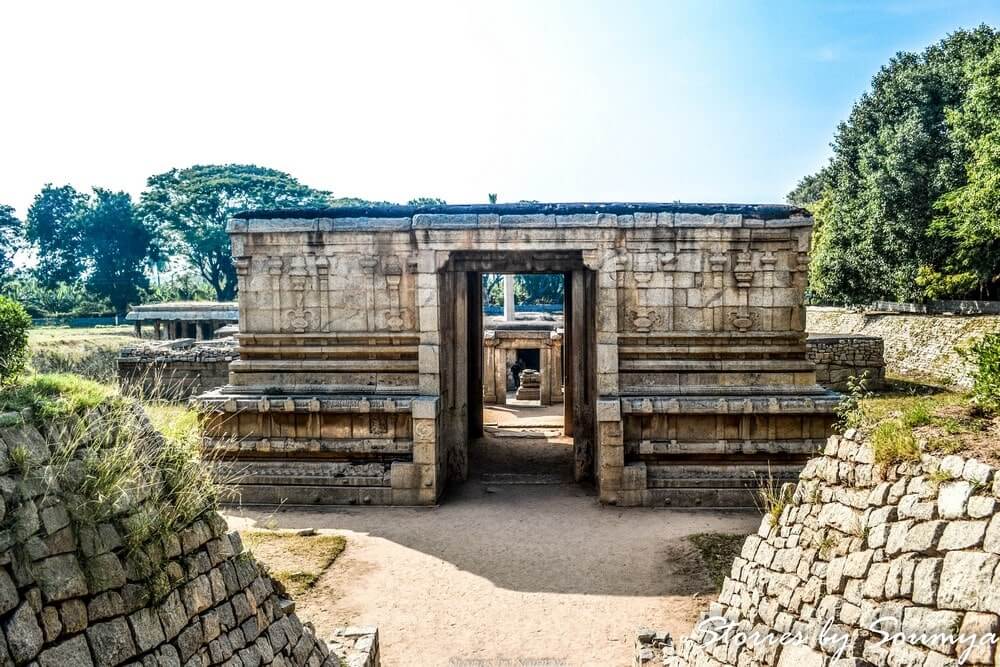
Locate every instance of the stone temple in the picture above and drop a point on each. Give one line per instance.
(360, 377)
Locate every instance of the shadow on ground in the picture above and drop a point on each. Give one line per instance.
(552, 537)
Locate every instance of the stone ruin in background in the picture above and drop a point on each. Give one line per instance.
(360, 377)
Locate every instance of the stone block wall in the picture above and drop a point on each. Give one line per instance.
(920, 346)
(860, 553)
(687, 317)
(80, 594)
(839, 358)
(175, 369)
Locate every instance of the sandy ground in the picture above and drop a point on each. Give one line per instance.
(505, 573)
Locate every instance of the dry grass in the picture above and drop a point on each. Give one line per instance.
(295, 561)
(89, 351)
(717, 552)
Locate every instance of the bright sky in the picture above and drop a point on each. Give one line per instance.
(556, 101)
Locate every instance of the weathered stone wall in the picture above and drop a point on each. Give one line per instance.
(684, 343)
(175, 369)
(914, 548)
(74, 593)
(920, 346)
(839, 358)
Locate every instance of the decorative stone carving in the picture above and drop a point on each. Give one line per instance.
(743, 270)
(644, 319)
(743, 320)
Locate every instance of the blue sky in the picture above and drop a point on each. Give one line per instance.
(556, 101)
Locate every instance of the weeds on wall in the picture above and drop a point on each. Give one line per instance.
(772, 496)
(849, 411)
(108, 458)
(116, 463)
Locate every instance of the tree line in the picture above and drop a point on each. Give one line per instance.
(95, 252)
(908, 207)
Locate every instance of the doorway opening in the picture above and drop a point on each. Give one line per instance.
(530, 381)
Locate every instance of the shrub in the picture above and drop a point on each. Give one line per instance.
(985, 355)
(14, 325)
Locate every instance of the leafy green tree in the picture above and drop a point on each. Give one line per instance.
(538, 288)
(184, 286)
(969, 226)
(893, 160)
(809, 189)
(194, 205)
(54, 226)
(64, 299)
(10, 239)
(117, 248)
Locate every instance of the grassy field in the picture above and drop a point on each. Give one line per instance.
(89, 352)
(909, 419)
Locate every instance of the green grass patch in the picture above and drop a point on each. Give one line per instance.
(55, 396)
(717, 552)
(893, 442)
(295, 561)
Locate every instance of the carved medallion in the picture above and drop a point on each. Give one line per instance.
(644, 319)
(743, 320)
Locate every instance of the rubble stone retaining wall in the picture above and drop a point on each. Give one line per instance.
(175, 369)
(858, 554)
(839, 358)
(82, 594)
(916, 345)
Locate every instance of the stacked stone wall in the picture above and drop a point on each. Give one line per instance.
(916, 345)
(78, 593)
(858, 554)
(842, 357)
(175, 369)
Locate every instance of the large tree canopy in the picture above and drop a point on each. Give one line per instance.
(10, 239)
(893, 159)
(117, 246)
(194, 205)
(969, 227)
(55, 228)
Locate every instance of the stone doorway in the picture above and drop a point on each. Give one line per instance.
(476, 381)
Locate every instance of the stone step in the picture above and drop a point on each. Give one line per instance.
(519, 478)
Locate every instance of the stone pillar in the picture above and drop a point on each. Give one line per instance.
(199, 330)
(489, 367)
(157, 332)
(509, 307)
(607, 324)
(137, 327)
(555, 368)
(545, 371)
(428, 298)
(420, 482)
(610, 451)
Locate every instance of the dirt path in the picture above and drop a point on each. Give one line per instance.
(508, 571)
(522, 572)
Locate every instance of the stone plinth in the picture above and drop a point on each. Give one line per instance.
(530, 387)
(360, 379)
